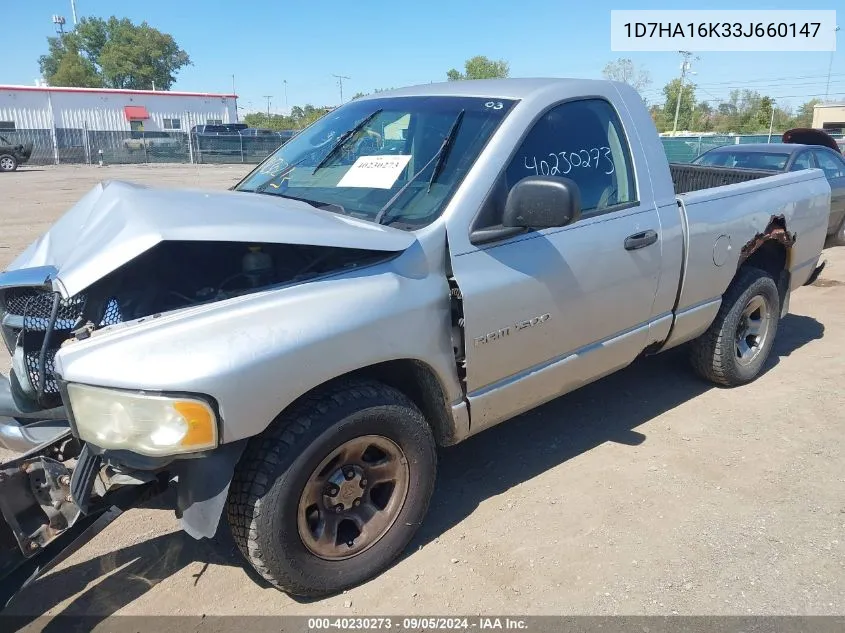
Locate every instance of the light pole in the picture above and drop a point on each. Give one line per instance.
(73, 10)
(285, 81)
(830, 67)
(59, 22)
(340, 79)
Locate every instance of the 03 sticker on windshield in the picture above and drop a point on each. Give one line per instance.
(374, 172)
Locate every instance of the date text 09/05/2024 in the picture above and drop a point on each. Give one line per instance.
(722, 29)
(416, 623)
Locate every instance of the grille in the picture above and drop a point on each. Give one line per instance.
(112, 313)
(28, 311)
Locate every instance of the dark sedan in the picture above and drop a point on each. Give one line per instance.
(784, 157)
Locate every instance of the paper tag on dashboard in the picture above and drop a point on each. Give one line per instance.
(374, 172)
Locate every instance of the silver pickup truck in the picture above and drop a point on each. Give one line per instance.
(412, 269)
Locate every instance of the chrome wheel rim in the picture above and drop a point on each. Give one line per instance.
(353, 497)
(6, 164)
(753, 329)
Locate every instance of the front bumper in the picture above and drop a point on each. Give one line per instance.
(23, 426)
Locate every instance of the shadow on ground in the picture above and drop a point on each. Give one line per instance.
(486, 465)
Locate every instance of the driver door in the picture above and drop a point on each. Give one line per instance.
(548, 310)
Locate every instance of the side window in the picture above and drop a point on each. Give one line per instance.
(804, 161)
(831, 165)
(583, 141)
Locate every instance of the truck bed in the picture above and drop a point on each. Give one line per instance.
(687, 177)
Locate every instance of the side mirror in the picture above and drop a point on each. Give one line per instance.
(539, 202)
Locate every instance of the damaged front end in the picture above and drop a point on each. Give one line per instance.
(122, 256)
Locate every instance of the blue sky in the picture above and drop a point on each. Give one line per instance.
(382, 44)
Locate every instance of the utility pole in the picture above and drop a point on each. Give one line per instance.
(73, 10)
(771, 122)
(285, 81)
(233, 84)
(830, 68)
(685, 66)
(340, 79)
(268, 97)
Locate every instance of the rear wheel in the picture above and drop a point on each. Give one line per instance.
(8, 162)
(333, 491)
(838, 238)
(736, 345)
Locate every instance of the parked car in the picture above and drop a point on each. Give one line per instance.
(219, 129)
(154, 140)
(789, 157)
(291, 353)
(13, 154)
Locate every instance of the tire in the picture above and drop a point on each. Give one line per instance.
(838, 237)
(8, 162)
(716, 354)
(270, 488)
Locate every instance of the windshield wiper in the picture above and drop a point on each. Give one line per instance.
(439, 156)
(443, 152)
(343, 138)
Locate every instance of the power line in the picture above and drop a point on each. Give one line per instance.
(772, 79)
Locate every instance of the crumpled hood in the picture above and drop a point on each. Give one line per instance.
(117, 221)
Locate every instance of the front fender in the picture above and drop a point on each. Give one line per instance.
(258, 353)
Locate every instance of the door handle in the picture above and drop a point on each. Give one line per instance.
(640, 240)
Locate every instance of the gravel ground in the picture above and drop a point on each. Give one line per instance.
(649, 492)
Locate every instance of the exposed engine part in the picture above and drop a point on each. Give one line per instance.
(36, 502)
(35, 323)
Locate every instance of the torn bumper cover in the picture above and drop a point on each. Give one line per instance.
(49, 509)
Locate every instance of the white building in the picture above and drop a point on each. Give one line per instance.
(70, 123)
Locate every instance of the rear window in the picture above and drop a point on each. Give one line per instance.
(772, 161)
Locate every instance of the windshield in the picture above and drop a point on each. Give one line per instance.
(394, 160)
(774, 161)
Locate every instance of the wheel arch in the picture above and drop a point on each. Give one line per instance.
(771, 251)
(414, 378)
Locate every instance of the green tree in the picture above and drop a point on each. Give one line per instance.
(299, 117)
(75, 70)
(671, 92)
(480, 67)
(765, 111)
(804, 118)
(624, 70)
(118, 52)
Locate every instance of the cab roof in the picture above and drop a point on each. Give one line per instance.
(493, 88)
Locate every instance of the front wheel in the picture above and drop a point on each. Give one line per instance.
(8, 162)
(334, 490)
(736, 345)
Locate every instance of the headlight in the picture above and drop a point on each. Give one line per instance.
(147, 424)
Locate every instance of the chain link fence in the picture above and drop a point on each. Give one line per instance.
(82, 146)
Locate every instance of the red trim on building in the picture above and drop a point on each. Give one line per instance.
(136, 113)
(107, 91)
